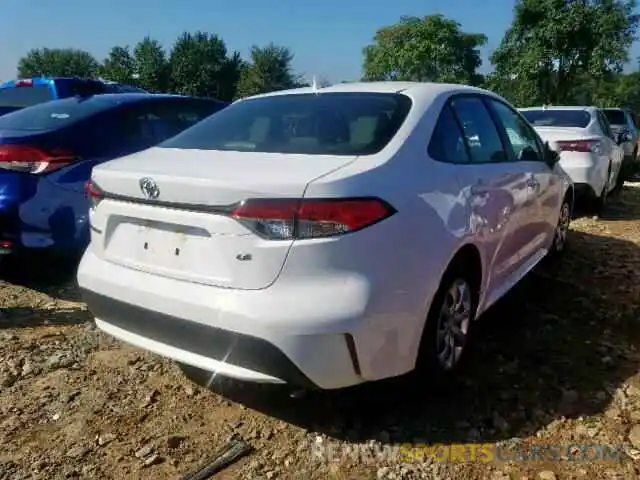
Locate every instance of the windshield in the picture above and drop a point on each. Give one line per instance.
(19, 97)
(615, 117)
(54, 114)
(557, 118)
(351, 123)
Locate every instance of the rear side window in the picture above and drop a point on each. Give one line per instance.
(615, 117)
(20, 97)
(55, 114)
(447, 143)
(483, 139)
(325, 124)
(557, 118)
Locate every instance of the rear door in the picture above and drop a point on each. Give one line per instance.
(496, 185)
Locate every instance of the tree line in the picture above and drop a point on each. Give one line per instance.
(554, 52)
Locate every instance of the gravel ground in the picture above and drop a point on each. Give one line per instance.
(554, 364)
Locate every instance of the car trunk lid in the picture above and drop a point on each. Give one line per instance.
(166, 211)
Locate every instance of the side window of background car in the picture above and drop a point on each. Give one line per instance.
(604, 124)
(480, 132)
(521, 136)
(447, 142)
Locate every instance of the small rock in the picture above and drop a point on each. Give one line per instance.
(144, 451)
(106, 438)
(55, 417)
(271, 474)
(634, 436)
(151, 398)
(547, 475)
(152, 460)
(27, 368)
(189, 390)
(383, 472)
(77, 451)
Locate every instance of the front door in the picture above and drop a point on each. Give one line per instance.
(544, 188)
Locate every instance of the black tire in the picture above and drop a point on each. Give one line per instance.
(559, 245)
(428, 362)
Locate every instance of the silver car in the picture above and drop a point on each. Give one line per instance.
(622, 121)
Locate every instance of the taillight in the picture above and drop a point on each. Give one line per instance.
(24, 82)
(24, 158)
(288, 219)
(593, 146)
(93, 193)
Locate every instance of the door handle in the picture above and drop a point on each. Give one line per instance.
(533, 183)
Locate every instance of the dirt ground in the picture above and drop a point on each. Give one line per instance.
(554, 366)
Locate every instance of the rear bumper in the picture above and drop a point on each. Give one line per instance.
(311, 340)
(585, 169)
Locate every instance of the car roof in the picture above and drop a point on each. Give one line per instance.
(421, 91)
(121, 98)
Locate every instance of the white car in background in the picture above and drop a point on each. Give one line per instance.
(589, 150)
(324, 237)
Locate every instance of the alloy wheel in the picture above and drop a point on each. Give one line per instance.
(453, 324)
(562, 229)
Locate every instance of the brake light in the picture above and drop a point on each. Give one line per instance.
(593, 146)
(24, 158)
(93, 193)
(288, 219)
(24, 82)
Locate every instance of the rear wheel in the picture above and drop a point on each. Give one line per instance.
(562, 229)
(448, 324)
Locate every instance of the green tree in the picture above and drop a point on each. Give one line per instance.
(61, 62)
(151, 67)
(431, 48)
(230, 76)
(268, 71)
(119, 66)
(554, 45)
(199, 65)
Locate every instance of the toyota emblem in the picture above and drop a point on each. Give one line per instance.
(149, 188)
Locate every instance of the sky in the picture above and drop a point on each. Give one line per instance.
(326, 37)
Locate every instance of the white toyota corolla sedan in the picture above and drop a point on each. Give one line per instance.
(324, 237)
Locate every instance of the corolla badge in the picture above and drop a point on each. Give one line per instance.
(149, 188)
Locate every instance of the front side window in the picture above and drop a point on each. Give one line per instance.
(521, 136)
(483, 140)
(350, 123)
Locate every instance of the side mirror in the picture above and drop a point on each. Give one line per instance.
(551, 157)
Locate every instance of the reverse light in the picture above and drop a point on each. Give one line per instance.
(587, 146)
(289, 219)
(93, 193)
(28, 159)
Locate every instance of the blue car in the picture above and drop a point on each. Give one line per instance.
(25, 92)
(47, 152)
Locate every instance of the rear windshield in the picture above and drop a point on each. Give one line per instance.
(55, 114)
(324, 124)
(615, 117)
(557, 118)
(24, 96)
